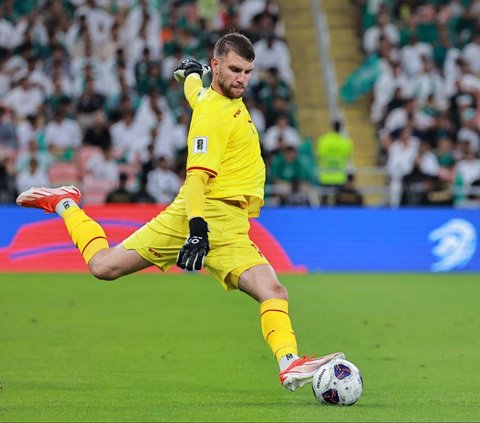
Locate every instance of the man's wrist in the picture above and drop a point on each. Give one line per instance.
(198, 226)
(189, 72)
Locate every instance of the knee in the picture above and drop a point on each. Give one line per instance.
(279, 291)
(273, 290)
(102, 271)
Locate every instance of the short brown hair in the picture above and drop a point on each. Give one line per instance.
(236, 42)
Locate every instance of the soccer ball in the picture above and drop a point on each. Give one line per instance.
(338, 382)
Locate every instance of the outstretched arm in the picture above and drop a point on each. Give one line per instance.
(193, 253)
(193, 85)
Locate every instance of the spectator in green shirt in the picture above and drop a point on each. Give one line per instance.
(289, 178)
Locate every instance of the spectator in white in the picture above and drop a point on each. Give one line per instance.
(8, 136)
(76, 36)
(391, 79)
(469, 132)
(62, 84)
(163, 143)
(37, 77)
(469, 82)
(88, 66)
(170, 62)
(18, 62)
(467, 171)
(31, 27)
(428, 82)
(451, 69)
(24, 99)
(62, 135)
(98, 20)
(280, 135)
(247, 10)
(456, 8)
(57, 61)
(146, 116)
(144, 39)
(411, 55)
(427, 160)
(471, 53)
(5, 76)
(123, 133)
(459, 101)
(384, 27)
(399, 118)
(44, 158)
(33, 176)
(103, 167)
(29, 129)
(273, 52)
(269, 20)
(258, 118)
(113, 70)
(125, 98)
(137, 15)
(6, 31)
(107, 48)
(180, 131)
(162, 183)
(475, 9)
(401, 157)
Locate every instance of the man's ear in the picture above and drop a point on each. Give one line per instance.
(215, 64)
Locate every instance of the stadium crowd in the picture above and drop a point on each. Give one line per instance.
(87, 94)
(425, 96)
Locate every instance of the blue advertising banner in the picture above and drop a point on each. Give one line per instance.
(315, 240)
(377, 240)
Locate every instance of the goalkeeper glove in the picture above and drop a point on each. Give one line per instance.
(189, 66)
(193, 253)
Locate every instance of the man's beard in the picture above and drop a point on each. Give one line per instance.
(227, 90)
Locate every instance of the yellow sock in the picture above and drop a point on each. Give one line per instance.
(277, 328)
(87, 235)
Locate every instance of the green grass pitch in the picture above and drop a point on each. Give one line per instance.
(153, 347)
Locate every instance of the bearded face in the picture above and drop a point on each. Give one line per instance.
(231, 75)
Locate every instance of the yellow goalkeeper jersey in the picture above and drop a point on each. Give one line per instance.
(224, 142)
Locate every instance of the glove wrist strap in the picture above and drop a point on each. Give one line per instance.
(198, 226)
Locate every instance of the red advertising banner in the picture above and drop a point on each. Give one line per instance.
(45, 246)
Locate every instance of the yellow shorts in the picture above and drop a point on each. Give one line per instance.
(231, 249)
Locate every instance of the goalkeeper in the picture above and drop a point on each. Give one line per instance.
(207, 224)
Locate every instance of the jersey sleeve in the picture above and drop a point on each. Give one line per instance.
(192, 88)
(207, 140)
(195, 184)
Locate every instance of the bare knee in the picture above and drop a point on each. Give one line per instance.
(102, 270)
(279, 291)
(111, 263)
(261, 283)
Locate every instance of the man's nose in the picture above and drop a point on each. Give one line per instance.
(242, 78)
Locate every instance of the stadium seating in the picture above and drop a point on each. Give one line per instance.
(64, 173)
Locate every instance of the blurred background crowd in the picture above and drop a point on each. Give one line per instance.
(87, 97)
(422, 70)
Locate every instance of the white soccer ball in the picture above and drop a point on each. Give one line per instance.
(338, 382)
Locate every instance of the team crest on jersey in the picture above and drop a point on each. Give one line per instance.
(200, 144)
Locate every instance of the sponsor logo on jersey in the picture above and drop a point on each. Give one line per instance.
(200, 144)
(237, 113)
